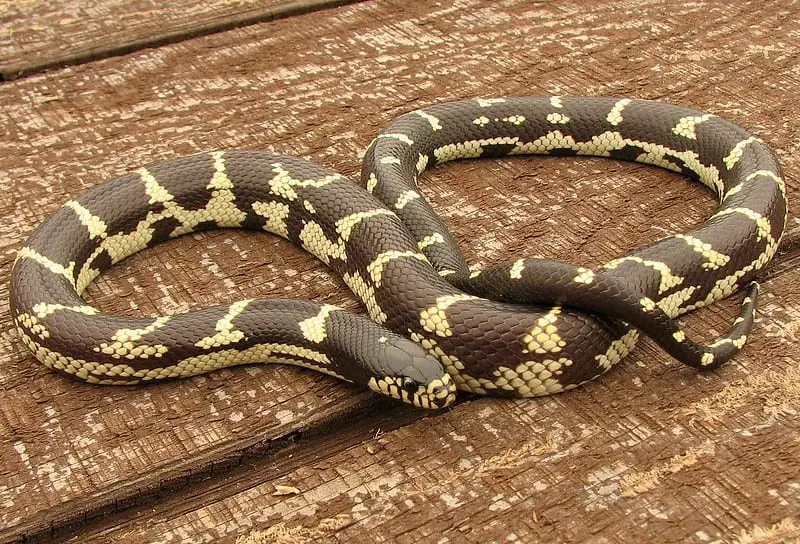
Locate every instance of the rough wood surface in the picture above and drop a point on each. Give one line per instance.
(650, 449)
(653, 454)
(37, 35)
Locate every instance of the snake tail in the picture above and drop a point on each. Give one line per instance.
(541, 281)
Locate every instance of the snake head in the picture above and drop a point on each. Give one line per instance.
(405, 372)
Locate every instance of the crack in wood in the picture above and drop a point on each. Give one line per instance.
(111, 48)
(256, 462)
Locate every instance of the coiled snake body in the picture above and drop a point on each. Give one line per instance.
(528, 327)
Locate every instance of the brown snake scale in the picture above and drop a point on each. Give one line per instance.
(523, 328)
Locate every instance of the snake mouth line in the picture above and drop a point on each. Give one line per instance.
(438, 393)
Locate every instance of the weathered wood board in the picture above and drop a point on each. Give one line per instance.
(653, 453)
(651, 449)
(45, 34)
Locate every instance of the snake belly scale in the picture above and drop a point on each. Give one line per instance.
(523, 328)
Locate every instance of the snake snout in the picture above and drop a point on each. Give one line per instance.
(442, 392)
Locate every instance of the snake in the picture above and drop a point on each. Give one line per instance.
(522, 328)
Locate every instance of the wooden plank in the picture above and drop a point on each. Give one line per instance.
(80, 32)
(71, 452)
(651, 453)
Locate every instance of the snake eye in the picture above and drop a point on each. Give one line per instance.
(409, 386)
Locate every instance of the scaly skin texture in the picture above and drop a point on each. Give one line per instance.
(400, 260)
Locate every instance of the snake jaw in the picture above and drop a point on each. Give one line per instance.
(436, 394)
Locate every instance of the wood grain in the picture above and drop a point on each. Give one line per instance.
(651, 453)
(78, 460)
(38, 35)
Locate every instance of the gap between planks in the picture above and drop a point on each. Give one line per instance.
(28, 67)
(255, 460)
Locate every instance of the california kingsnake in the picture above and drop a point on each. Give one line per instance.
(396, 255)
